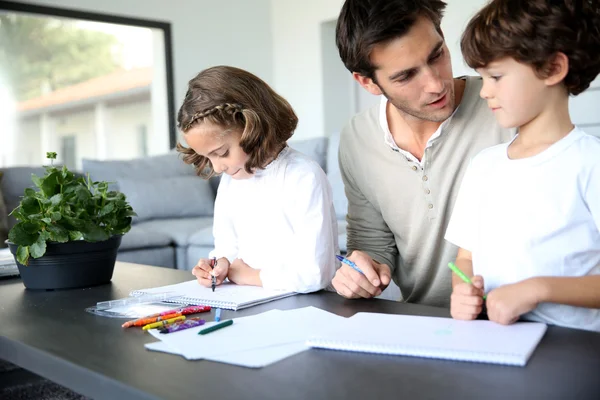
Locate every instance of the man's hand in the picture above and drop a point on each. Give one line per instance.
(352, 284)
(507, 303)
(466, 300)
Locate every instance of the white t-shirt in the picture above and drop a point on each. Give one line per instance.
(537, 216)
(281, 221)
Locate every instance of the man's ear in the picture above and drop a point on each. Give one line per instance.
(557, 69)
(367, 83)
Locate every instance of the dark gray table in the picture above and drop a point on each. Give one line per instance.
(50, 334)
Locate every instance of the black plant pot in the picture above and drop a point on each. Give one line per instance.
(70, 265)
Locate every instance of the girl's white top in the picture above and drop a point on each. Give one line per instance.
(280, 221)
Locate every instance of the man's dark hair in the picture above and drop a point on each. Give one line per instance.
(362, 24)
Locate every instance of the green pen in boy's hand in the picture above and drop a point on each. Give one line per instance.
(461, 274)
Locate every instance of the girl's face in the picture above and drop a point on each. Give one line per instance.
(221, 146)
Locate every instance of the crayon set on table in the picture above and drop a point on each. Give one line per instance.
(176, 320)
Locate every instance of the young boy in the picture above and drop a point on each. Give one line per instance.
(527, 217)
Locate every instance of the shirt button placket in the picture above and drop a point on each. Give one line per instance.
(431, 210)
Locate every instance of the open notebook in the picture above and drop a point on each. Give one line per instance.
(227, 295)
(430, 337)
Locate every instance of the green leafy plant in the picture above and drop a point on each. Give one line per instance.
(66, 208)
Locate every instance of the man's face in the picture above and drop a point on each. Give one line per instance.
(414, 73)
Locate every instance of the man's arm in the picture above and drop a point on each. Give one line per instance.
(366, 230)
(370, 242)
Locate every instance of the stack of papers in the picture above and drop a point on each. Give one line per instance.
(255, 341)
(263, 339)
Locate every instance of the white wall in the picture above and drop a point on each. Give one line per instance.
(297, 50)
(297, 68)
(204, 32)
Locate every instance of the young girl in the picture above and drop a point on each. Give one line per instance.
(274, 222)
(527, 218)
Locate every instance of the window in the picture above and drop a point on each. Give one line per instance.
(68, 152)
(107, 78)
(142, 141)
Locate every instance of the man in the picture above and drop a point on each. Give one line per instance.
(402, 161)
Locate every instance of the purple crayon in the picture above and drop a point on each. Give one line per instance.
(188, 323)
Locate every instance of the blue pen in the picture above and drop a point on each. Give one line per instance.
(218, 315)
(349, 263)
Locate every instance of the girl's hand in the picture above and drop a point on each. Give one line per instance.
(466, 301)
(507, 303)
(204, 273)
(241, 273)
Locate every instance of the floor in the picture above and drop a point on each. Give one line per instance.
(19, 384)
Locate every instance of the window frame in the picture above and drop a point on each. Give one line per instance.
(115, 19)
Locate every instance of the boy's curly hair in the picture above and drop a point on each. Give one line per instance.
(533, 32)
(236, 99)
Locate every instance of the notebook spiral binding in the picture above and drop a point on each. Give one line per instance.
(431, 352)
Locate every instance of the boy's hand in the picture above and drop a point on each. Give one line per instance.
(352, 284)
(507, 303)
(203, 271)
(466, 301)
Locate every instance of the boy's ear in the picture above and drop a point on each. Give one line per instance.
(367, 83)
(558, 68)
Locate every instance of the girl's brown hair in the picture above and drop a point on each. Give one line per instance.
(533, 32)
(236, 99)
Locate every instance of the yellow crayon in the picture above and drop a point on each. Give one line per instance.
(163, 323)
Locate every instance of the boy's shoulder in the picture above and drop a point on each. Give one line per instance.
(490, 155)
(588, 147)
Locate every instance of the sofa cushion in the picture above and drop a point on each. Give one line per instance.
(178, 229)
(315, 148)
(174, 197)
(340, 202)
(146, 168)
(158, 256)
(203, 237)
(140, 238)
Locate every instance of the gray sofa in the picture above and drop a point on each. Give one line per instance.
(174, 206)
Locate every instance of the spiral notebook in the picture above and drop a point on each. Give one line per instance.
(431, 337)
(227, 295)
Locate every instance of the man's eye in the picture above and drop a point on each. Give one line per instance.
(405, 78)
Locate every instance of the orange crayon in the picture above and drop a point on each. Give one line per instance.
(149, 320)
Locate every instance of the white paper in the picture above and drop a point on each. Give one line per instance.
(227, 295)
(479, 341)
(255, 358)
(269, 329)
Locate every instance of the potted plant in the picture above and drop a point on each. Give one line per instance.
(68, 230)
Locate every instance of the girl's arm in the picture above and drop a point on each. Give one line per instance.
(223, 228)
(311, 263)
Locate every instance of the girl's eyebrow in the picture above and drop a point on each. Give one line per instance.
(217, 149)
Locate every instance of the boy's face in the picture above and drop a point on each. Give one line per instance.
(221, 147)
(414, 73)
(513, 91)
